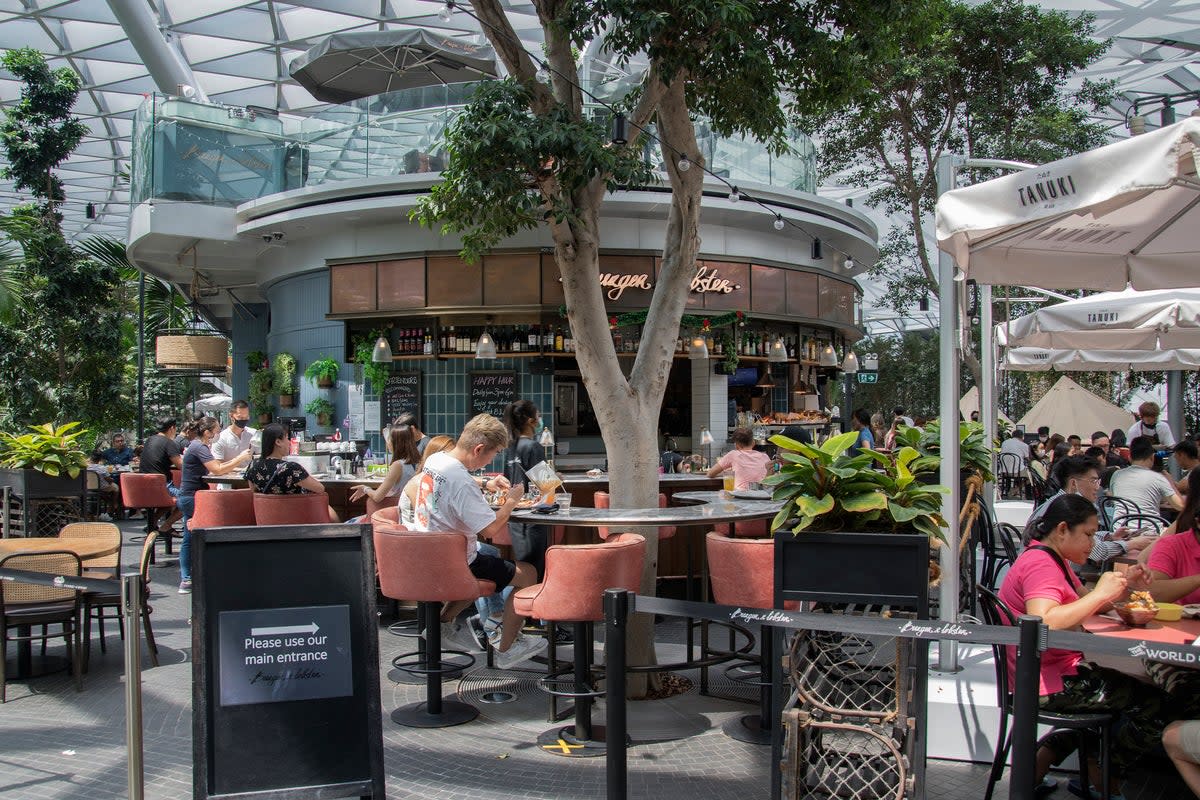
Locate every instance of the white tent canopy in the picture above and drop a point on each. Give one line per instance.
(970, 403)
(1069, 408)
(1121, 215)
(1037, 359)
(212, 402)
(1128, 320)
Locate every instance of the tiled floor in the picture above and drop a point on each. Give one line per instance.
(56, 743)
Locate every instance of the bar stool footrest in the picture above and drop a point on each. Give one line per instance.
(549, 686)
(413, 663)
(747, 728)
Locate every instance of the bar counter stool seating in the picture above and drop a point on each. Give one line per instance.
(291, 509)
(101, 601)
(222, 509)
(148, 491)
(573, 591)
(24, 605)
(996, 613)
(430, 568)
(742, 572)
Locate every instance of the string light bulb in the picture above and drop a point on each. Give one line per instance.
(447, 11)
(779, 223)
(684, 164)
(735, 196)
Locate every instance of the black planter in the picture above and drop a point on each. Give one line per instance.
(38, 504)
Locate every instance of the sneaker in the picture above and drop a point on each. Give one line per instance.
(563, 635)
(1047, 787)
(185, 587)
(457, 634)
(475, 626)
(521, 650)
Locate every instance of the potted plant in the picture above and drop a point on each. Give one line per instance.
(285, 379)
(256, 360)
(47, 462)
(376, 372)
(320, 408)
(323, 373)
(261, 387)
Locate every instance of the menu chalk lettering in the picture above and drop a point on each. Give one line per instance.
(491, 391)
(401, 395)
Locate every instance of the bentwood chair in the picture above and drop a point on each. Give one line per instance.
(996, 613)
(99, 602)
(24, 605)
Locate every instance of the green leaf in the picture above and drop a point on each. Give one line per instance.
(809, 506)
(902, 514)
(867, 501)
(837, 445)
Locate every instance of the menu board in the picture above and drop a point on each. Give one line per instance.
(401, 394)
(490, 391)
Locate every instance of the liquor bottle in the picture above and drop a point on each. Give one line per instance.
(532, 338)
(791, 348)
(558, 341)
(451, 340)
(568, 341)
(427, 344)
(717, 349)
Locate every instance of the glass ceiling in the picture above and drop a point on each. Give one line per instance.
(239, 52)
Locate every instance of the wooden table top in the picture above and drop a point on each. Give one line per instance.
(1185, 631)
(84, 548)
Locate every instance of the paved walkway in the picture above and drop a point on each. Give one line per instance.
(56, 743)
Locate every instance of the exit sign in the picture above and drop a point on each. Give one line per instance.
(868, 377)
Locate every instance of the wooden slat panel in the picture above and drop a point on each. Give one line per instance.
(768, 289)
(738, 277)
(802, 294)
(352, 288)
(511, 279)
(401, 284)
(453, 282)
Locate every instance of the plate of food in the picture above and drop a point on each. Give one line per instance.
(751, 494)
(523, 503)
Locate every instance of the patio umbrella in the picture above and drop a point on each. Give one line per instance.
(1128, 320)
(212, 402)
(348, 66)
(1121, 215)
(1037, 359)
(1069, 408)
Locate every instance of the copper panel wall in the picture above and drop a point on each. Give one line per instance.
(630, 281)
(511, 280)
(802, 294)
(836, 300)
(768, 290)
(736, 276)
(454, 282)
(401, 284)
(552, 290)
(352, 288)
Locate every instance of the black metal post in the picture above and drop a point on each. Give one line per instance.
(583, 705)
(773, 671)
(433, 657)
(141, 375)
(766, 655)
(616, 619)
(1025, 705)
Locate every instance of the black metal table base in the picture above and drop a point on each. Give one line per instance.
(417, 715)
(748, 729)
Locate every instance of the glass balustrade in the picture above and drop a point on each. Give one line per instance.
(227, 155)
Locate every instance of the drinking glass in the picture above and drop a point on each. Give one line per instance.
(727, 481)
(564, 500)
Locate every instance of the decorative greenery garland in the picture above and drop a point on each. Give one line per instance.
(703, 323)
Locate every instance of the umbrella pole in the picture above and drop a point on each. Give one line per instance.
(987, 392)
(948, 329)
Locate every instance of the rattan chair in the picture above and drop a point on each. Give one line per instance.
(98, 602)
(24, 605)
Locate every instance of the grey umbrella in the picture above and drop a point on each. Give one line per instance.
(349, 66)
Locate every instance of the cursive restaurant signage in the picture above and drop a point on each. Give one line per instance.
(705, 280)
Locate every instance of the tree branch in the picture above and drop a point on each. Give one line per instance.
(560, 57)
(517, 61)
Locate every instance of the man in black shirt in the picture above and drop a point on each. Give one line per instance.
(159, 455)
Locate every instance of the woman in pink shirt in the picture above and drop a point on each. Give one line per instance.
(1174, 560)
(748, 465)
(1042, 584)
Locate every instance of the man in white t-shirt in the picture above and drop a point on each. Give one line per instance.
(236, 438)
(1142, 486)
(1149, 425)
(449, 499)
(1015, 444)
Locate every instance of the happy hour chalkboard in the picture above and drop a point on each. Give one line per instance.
(491, 391)
(401, 394)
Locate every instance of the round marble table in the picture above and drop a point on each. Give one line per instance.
(709, 508)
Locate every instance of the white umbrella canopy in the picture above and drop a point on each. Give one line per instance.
(1126, 320)
(212, 402)
(1037, 359)
(1069, 408)
(1118, 216)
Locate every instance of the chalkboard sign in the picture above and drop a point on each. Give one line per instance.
(401, 395)
(285, 663)
(491, 391)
